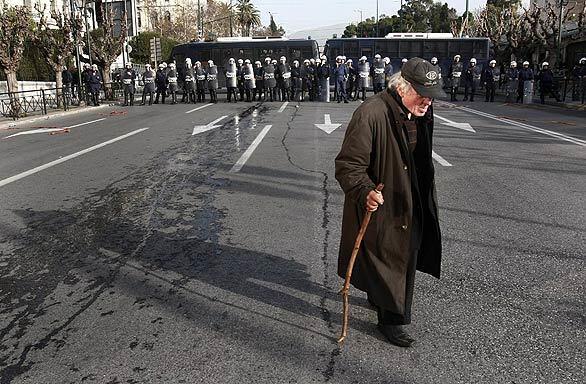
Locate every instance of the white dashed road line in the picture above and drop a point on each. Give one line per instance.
(283, 106)
(66, 158)
(440, 159)
(198, 108)
(246, 155)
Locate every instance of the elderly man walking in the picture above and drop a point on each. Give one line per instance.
(389, 141)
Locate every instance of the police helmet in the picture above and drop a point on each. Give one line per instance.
(267, 60)
(457, 57)
(312, 60)
(492, 62)
(197, 63)
(231, 60)
(240, 61)
(128, 65)
(306, 61)
(433, 60)
(247, 61)
(525, 63)
(295, 62)
(377, 56)
(583, 60)
(188, 61)
(363, 58)
(387, 60)
(258, 63)
(343, 57)
(349, 61)
(161, 66)
(148, 66)
(164, 64)
(472, 61)
(283, 58)
(404, 60)
(95, 67)
(513, 64)
(545, 64)
(210, 63)
(171, 65)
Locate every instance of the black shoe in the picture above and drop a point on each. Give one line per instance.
(396, 336)
(345, 101)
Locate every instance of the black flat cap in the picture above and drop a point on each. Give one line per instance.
(424, 77)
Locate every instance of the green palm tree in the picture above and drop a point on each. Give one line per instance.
(248, 16)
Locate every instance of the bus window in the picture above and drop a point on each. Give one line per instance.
(280, 51)
(244, 53)
(350, 48)
(266, 52)
(366, 51)
(438, 49)
(387, 48)
(411, 48)
(480, 50)
(295, 54)
(217, 56)
(203, 55)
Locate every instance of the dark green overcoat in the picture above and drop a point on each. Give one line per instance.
(375, 150)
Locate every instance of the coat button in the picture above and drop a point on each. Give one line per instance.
(404, 227)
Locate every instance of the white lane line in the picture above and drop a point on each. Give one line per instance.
(450, 123)
(66, 158)
(283, 107)
(527, 126)
(49, 130)
(440, 159)
(246, 155)
(198, 108)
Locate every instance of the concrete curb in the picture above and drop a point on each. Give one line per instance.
(14, 124)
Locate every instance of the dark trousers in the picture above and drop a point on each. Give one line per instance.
(453, 92)
(285, 92)
(490, 90)
(378, 87)
(213, 95)
(547, 89)
(469, 90)
(341, 86)
(144, 97)
(232, 95)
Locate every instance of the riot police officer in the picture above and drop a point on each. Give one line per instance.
(284, 71)
(454, 75)
(240, 78)
(378, 74)
(324, 80)
(351, 82)
(148, 81)
(231, 80)
(363, 77)
(188, 83)
(525, 82)
(297, 81)
(389, 70)
(161, 83)
(200, 81)
(490, 78)
(128, 77)
(471, 79)
(95, 83)
(249, 81)
(340, 76)
(579, 80)
(270, 82)
(436, 67)
(512, 79)
(307, 76)
(212, 78)
(260, 83)
(546, 85)
(172, 82)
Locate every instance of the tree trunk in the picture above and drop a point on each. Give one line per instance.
(12, 84)
(107, 83)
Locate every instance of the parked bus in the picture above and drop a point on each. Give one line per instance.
(397, 46)
(254, 48)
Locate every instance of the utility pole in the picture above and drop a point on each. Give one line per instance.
(377, 32)
(560, 23)
(77, 61)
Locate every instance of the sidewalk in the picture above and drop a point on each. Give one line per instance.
(549, 102)
(8, 123)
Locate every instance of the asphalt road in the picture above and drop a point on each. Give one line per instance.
(132, 251)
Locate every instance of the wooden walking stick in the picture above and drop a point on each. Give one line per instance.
(346, 287)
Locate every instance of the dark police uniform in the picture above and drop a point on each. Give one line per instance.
(128, 78)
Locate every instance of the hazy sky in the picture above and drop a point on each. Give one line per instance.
(295, 15)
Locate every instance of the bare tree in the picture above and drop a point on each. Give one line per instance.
(106, 47)
(15, 28)
(55, 36)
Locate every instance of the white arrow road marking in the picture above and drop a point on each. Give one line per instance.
(204, 128)
(440, 159)
(328, 127)
(246, 155)
(283, 107)
(528, 127)
(198, 108)
(464, 126)
(66, 158)
(49, 130)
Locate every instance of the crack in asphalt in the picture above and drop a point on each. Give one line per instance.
(326, 314)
